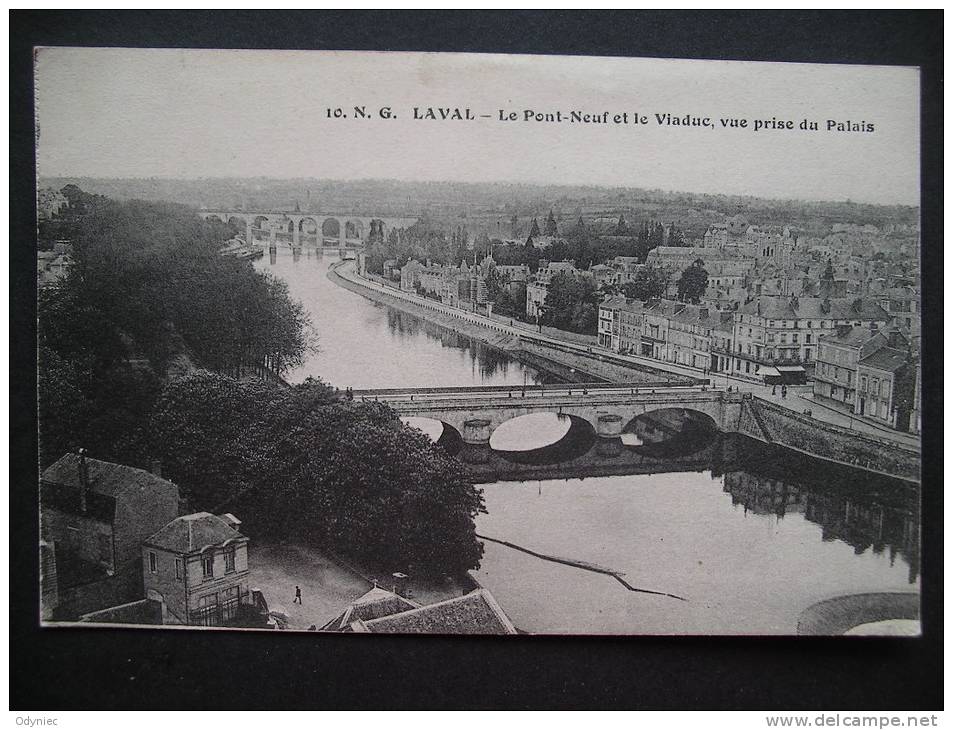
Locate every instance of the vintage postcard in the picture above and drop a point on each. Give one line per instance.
(473, 343)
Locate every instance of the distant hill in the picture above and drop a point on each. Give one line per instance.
(490, 206)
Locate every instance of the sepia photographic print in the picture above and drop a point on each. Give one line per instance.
(448, 343)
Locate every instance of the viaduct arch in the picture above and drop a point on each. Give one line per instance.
(332, 230)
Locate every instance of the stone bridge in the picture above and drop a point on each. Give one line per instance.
(476, 412)
(297, 228)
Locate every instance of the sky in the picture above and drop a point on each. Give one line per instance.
(206, 113)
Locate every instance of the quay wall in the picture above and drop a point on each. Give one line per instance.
(495, 333)
(771, 423)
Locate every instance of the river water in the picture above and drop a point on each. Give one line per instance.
(749, 542)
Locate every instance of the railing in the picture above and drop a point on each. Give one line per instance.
(219, 614)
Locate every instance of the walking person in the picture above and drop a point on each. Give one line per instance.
(774, 389)
(784, 391)
(297, 595)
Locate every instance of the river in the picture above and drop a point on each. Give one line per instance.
(748, 544)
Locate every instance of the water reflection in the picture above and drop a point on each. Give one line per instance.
(367, 345)
(533, 431)
(432, 428)
(751, 536)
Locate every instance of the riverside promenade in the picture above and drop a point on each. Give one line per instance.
(799, 398)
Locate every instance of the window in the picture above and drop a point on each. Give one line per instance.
(153, 562)
(807, 338)
(178, 569)
(208, 563)
(794, 338)
(863, 383)
(230, 560)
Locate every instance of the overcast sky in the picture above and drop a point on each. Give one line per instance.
(197, 113)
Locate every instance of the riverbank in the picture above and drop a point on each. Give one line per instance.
(568, 361)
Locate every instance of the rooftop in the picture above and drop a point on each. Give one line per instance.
(857, 308)
(194, 533)
(475, 613)
(887, 359)
(105, 477)
(376, 603)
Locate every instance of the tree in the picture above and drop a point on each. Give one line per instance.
(649, 283)
(551, 228)
(693, 282)
(149, 293)
(301, 463)
(621, 228)
(676, 237)
(534, 229)
(572, 303)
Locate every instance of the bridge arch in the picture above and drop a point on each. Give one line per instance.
(686, 428)
(542, 437)
(331, 228)
(308, 226)
(353, 229)
(440, 432)
(213, 217)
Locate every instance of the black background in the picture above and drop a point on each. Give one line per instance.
(67, 668)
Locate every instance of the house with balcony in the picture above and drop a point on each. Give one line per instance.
(776, 338)
(196, 566)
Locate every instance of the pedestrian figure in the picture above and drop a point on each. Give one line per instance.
(297, 595)
(784, 391)
(774, 390)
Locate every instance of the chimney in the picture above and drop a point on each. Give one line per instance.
(83, 479)
(155, 466)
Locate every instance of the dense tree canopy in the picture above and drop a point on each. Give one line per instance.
(300, 463)
(148, 294)
(572, 303)
(649, 283)
(693, 282)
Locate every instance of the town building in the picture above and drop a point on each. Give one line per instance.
(53, 265)
(690, 338)
(620, 324)
(656, 322)
(457, 286)
(776, 338)
(837, 373)
(537, 289)
(94, 516)
(196, 566)
(885, 387)
(50, 203)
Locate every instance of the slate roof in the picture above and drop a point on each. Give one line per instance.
(853, 337)
(475, 613)
(887, 359)
(193, 534)
(376, 603)
(105, 477)
(862, 308)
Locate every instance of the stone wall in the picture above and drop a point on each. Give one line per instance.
(604, 367)
(766, 421)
